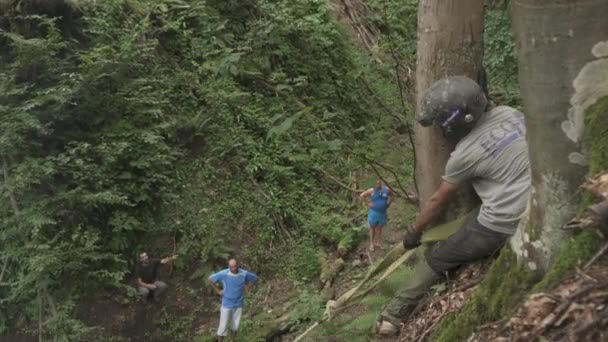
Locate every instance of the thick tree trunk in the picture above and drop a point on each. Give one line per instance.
(562, 48)
(450, 42)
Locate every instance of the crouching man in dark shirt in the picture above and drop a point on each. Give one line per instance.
(147, 276)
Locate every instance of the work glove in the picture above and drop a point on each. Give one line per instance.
(411, 239)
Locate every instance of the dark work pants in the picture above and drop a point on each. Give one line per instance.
(470, 243)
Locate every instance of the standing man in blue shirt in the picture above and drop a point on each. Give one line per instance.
(379, 201)
(233, 280)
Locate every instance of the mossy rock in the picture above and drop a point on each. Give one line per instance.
(331, 270)
(328, 292)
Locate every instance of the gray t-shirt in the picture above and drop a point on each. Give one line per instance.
(494, 157)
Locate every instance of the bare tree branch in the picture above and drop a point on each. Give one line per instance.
(398, 194)
(338, 182)
(398, 67)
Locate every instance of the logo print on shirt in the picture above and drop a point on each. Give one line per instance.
(499, 138)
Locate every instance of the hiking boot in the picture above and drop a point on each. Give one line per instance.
(387, 328)
(409, 294)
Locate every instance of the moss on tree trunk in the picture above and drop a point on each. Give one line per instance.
(556, 99)
(583, 246)
(596, 135)
(577, 250)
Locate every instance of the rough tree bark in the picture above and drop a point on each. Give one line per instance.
(562, 48)
(450, 42)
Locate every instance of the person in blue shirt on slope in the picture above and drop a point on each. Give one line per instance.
(379, 201)
(234, 280)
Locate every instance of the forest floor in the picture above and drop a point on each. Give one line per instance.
(575, 310)
(185, 305)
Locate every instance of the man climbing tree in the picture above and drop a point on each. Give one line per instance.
(491, 152)
(379, 202)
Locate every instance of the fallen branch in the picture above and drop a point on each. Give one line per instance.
(404, 258)
(467, 286)
(366, 34)
(311, 328)
(490, 324)
(340, 303)
(391, 261)
(597, 255)
(590, 325)
(557, 313)
(429, 329)
(583, 274)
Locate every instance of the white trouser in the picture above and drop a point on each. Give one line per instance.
(232, 315)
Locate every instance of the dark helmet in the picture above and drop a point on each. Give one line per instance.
(455, 104)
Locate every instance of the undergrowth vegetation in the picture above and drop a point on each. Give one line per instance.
(191, 127)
